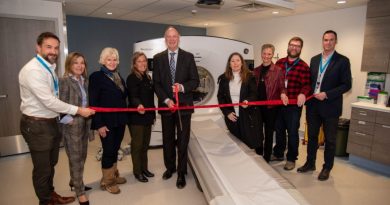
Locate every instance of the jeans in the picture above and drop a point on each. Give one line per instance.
(287, 120)
(111, 145)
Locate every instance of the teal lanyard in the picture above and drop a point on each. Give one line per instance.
(55, 80)
(325, 66)
(289, 68)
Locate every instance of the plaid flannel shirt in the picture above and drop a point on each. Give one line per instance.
(298, 78)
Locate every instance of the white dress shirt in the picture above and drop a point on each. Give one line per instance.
(235, 89)
(37, 91)
(169, 61)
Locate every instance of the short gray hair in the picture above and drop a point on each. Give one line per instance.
(106, 52)
(268, 45)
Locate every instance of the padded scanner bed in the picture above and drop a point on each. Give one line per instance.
(228, 172)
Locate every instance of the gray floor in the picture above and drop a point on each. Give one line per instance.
(348, 184)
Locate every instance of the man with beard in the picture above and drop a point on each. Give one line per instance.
(297, 83)
(40, 109)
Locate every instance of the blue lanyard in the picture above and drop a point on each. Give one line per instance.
(325, 66)
(289, 68)
(55, 80)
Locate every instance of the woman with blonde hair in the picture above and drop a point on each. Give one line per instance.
(236, 85)
(141, 95)
(76, 129)
(108, 89)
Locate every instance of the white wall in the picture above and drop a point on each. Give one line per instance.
(348, 23)
(40, 10)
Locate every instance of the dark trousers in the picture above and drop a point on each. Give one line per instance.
(269, 116)
(111, 145)
(170, 123)
(140, 139)
(314, 122)
(43, 139)
(287, 120)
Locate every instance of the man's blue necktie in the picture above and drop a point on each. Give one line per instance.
(172, 66)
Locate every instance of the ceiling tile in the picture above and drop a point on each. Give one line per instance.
(181, 11)
(130, 4)
(116, 13)
(79, 9)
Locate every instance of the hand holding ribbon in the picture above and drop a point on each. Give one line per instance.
(245, 104)
(141, 109)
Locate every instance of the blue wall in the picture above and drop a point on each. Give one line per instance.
(90, 35)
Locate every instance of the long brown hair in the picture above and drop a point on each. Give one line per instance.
(135, 70)
(69, 61)
(244, 73)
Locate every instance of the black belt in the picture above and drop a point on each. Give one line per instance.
(39, 118)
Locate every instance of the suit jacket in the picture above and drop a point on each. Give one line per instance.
(186, 74)
(249, 118)
(141, 92)
(336, 81)
(104, 93)
(70, 92)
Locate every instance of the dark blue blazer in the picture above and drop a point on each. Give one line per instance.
(186, 74)
(336, 81)
(104, 93)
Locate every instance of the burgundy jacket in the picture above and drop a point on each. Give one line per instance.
(274, 81)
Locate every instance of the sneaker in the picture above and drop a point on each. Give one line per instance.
(289, 165)
(273, 158)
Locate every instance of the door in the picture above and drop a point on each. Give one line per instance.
(17, 47)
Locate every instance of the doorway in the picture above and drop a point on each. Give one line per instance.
(17, 47)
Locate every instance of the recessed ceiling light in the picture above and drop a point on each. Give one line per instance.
(206, 24)
(109, 13)
(275, 12)
(341, 2)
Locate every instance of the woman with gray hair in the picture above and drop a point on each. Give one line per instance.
(108, 89)
(270, 85)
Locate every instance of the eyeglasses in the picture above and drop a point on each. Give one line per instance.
(294, 46)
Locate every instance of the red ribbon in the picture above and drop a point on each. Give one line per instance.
(177, 107)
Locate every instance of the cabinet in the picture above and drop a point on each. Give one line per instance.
(369, 135)
(377, 8)
(376, 52)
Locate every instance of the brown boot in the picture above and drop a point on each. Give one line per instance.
(108, 181)
(118, 178)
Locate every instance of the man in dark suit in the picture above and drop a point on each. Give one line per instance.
(330, 79)
(175, 67)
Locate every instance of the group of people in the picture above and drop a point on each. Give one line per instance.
(325, 81)
(54, 108)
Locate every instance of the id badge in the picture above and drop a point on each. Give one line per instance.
(317, 89)
(285, 83)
